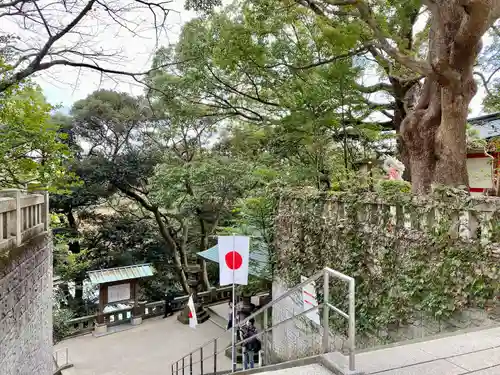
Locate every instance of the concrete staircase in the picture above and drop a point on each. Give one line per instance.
(470, 351)
(315, 369)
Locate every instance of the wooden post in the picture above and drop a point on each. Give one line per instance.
(101, 326)
(136, 311)
(102, 291)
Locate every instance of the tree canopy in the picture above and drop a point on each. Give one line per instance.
(254, 97)
(33, 149)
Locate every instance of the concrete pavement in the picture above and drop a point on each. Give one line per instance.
(300, 370)
(152, 347)
(475, 353)
(148, 349)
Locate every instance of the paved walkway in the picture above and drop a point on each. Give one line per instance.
(475, 353)
(148, 349)
(152, 347)
(301, 370)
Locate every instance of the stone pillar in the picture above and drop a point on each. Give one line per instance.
(193, 275)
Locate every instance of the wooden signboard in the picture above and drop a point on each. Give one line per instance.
(119, 292)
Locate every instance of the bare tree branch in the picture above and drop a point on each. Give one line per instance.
(53, 33)
(484, 81)
(382, 86)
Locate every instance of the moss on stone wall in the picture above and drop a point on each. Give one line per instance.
(437, 255)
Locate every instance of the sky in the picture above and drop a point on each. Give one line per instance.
(64, 85)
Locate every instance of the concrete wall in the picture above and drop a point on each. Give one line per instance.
(297, 338)
(26, 308)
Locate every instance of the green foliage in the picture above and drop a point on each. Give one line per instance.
(60, 317)
(474, 140)
(274, 72)
(491, 103)
(392, 188)
(32, 147)
(208, 178)
(489, 62)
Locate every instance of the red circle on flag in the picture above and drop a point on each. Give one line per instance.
(233, 260)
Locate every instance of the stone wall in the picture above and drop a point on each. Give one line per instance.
(26, 309)
(422, 266)
(25, 285)
(298, 337)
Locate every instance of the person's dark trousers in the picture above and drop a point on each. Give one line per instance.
(168, 309)
(248, 359)
(168, 306)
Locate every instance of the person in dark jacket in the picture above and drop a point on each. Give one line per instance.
(230, 316)
(169, 297)
(251, 346)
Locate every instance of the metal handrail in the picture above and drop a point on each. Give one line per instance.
(325, 306)
(241, 342)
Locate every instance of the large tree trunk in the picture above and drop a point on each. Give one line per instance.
(435, 132)
(203, 247)
(173, 249)
(405, 97)
(418, 133)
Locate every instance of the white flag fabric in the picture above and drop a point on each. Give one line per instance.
(310, 300)
(234, 257)
(193, 320)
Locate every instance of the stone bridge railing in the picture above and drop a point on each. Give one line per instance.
(85, 324)
(473, 221)
(22, 216)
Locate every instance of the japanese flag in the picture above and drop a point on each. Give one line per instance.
(233, 259)
(193, 320)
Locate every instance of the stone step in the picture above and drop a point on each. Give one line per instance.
(239, 354)
(316, 369)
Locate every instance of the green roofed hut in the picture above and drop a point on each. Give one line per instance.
(119, 285)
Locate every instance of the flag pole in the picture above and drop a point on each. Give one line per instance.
(233, 333)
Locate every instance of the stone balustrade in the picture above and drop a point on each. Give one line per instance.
(85, 324)
(473, 220)
(22, 216)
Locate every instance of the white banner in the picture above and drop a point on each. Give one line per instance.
(234, 253)
(310, 300)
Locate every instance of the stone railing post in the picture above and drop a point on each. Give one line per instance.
(193, 274)
(45, 211)
(14, 223)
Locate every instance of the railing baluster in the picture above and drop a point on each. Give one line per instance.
(172, 369)
(215, 356)
(201, 360)
(326, 311)
(190, 363)
(177, 368)
(183, 366)
(264, 338)
(352, 324)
